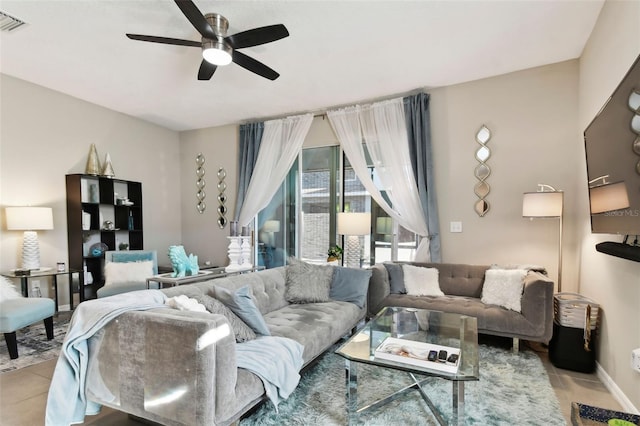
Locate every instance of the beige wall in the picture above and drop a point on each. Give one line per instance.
(532, 117)
(200, 232)
(612, 282)
(45, 135)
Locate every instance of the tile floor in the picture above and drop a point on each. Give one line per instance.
(23, 395)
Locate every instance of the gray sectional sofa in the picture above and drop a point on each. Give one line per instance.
(157, 367)
(462, 286)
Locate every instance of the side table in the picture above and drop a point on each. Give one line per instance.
(53, 273)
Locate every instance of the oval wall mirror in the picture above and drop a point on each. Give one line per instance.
(481, 207)
(481, 189)
(634, 100)
(635, 123)
(482, 171)
(483, 135)
(483, 154)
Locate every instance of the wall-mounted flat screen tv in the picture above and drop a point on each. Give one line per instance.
(612, 145)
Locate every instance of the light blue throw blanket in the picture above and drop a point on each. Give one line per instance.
(276, 360)
(67, 402)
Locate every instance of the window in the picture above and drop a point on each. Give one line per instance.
(301, 218)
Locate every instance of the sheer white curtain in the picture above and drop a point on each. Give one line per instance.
(382, 127)
(281, 142)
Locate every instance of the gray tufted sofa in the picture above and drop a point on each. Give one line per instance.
(158, 368)
(462, 286)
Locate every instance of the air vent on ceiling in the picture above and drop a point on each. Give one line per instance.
(9, 23)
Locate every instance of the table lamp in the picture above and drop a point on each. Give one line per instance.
(352, 225)
(29, 220)
(546, 203)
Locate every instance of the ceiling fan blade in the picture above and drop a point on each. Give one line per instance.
(165, 40)
(252, 65)
(257, 36)
(196, 18)
(206, 70)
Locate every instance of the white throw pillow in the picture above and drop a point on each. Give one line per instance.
(126, 272)
(184, 303)
(503, 287)
(8, 290)
(421, 281)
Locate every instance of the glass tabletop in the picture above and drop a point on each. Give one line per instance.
(429, 330)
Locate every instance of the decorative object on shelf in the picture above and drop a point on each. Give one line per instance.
(108, 226)
(86, 221)
(183, 266)
(30, 220)
(98, 249)
(107, 169)
(93, 162)
(482, 171)
(634, 105)
(334, 253)
(123, 246)
(546, 203)
(352, 225)
(200, 183)
(239, 252)
(222, 198)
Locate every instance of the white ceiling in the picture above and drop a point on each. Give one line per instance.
(338, 53)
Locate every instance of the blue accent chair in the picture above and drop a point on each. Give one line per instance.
(23, 311)
(129, 256)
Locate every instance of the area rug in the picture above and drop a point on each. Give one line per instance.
(513, 389)
(33, 346)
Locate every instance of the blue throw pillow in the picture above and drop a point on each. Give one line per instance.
(241, 303)
(396, 278)
(350, 285)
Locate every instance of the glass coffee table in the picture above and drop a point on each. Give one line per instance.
(419, 330)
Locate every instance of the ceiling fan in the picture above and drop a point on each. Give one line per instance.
(218, 49)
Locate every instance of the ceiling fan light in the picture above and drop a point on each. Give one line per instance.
(216, 53)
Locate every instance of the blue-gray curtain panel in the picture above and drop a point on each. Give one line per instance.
(250, 138)
(416, 109)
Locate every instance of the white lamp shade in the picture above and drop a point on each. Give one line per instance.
(542, 204)
(354, 223)
(271, 226)
(609, 197)
(29, 218)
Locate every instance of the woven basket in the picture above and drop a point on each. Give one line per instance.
(570, 310)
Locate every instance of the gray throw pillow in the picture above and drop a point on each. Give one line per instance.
(350, 285)
(241, 330)
(242, 304)
(396, 278)
(307, 283)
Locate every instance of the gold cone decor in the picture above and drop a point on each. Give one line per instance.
(107, 169)
(93, 163)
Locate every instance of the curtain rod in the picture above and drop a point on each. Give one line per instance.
(323, 114)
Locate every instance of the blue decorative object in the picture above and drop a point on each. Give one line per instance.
(183, 266)
(98, 249)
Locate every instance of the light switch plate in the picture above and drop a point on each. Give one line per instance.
(455, 226)
(635, 359)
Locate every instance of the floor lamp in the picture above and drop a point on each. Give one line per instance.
(546, 203)
(352, 225)
(29, 220)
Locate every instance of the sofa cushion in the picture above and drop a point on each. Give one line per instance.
(242, 304)
(421, 281)
(503, 287)
(350, 285)
(241, 330)
(307, 283)
(396, 278)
